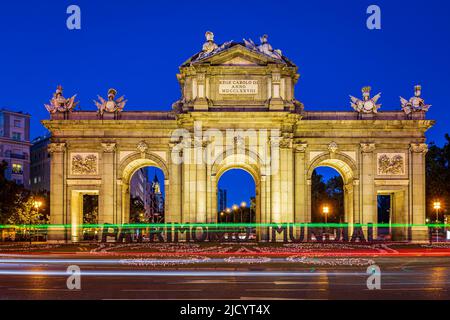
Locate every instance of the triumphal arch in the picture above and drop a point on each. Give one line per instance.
(238, 110)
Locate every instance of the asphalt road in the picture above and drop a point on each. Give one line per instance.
(401, 278)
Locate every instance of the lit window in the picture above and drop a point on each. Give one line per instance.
(17, 168)
(17, 124)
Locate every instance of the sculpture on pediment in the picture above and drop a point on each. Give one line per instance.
(111, 105)
(416, 103)
(391, 164)
(209, 46)
(84, 164)
(60, 104)
(367, 104)
(264, 47)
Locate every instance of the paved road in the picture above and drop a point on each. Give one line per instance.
(401, 278)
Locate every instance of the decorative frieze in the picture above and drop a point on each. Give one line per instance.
(391, 164)
(84, 163)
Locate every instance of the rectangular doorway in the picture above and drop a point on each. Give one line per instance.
(384, 204)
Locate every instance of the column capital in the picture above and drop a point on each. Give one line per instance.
(300, 147)
(57, 147)
(419, 147)
(108, 147)
(367, 147)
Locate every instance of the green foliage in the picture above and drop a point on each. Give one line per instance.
(17, 203)
(137, 208)
(330, 193)
(438, 176)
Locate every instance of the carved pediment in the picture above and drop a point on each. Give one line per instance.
(239, 61)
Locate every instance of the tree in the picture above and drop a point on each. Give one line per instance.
(137, 208)
(330, 193)
(17, 203)
(438, 176)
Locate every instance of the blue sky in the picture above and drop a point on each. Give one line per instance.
(137, 46)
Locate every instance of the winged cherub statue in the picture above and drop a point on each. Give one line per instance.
(110, 105)
(60, 104)
(368, 104)
(416, 103)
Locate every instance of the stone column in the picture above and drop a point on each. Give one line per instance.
(262, 218)
(107, 196)
(300, 201)
(174, 196)
(418, 191)
(58, 193)
(368, 193)
(275, 154)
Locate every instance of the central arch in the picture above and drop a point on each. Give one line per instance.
(129, 166)
(347, 168)
(248, 162)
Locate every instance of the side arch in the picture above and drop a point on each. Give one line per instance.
(128, 167)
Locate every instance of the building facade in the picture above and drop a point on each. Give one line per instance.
(15, 145)
(238, 110)
(40, 164)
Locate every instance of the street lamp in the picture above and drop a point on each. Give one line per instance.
(326, 211)
(221, 216)
(437, 207)
(228, 211)
(243, 206)
(235, 209)
(36, 206)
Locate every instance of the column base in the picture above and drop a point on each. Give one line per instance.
(419, 234)
(57, 235)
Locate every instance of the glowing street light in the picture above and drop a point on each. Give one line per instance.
(36, 205)
(437, 207)
(326, 211)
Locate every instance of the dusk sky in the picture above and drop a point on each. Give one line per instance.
(137, 46)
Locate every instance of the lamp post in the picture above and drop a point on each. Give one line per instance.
(326, 211)
(228, 211)
(437, 207)
(36, 206)
(235, 209)
(243, 206)
(221, 216)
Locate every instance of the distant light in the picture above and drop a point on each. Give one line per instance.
(437, 205)
(243, 204)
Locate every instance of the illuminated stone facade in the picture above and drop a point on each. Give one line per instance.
(247, 90)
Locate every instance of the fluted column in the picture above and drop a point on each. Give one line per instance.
(58, 194)
(174, 195)
(418, 190)
(275, 180)
(367, 185)
(300, 185)
(107, 203)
